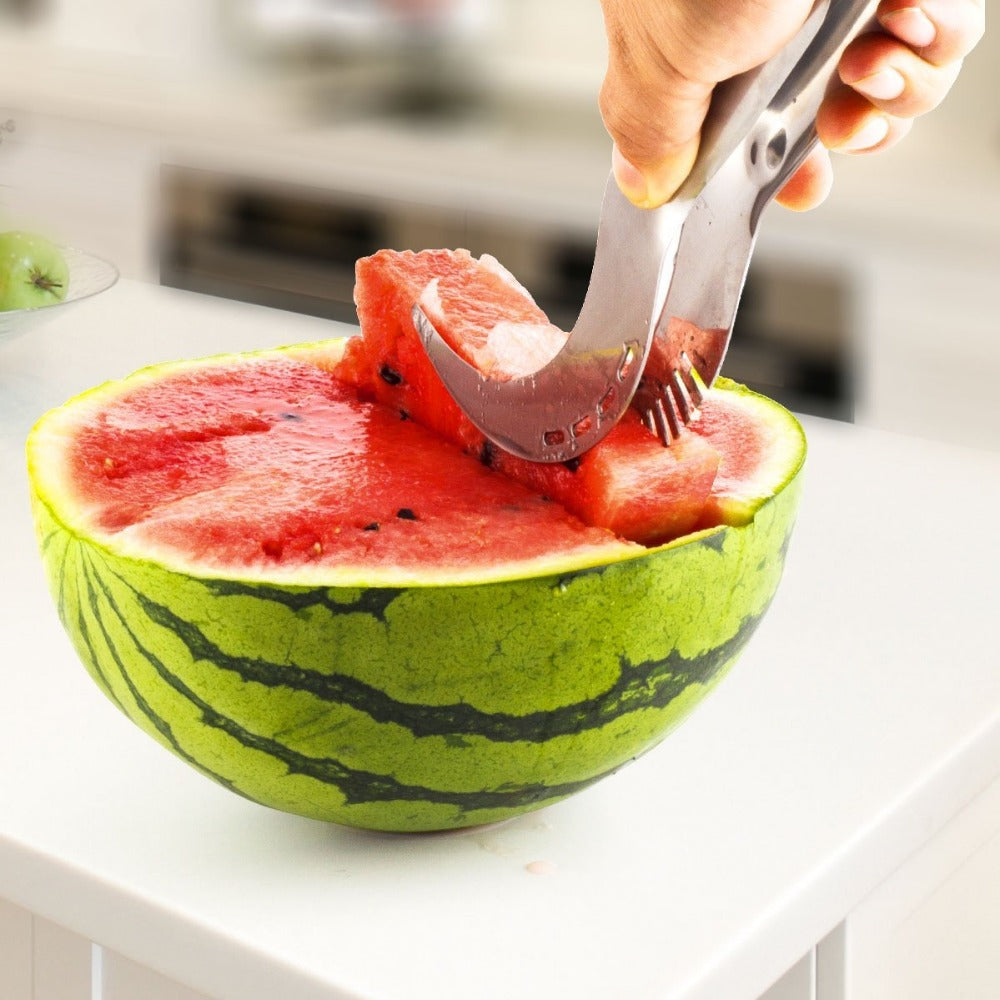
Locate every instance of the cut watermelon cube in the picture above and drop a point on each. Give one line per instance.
(629, 483)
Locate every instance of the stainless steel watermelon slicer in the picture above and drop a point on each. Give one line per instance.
(666, 282)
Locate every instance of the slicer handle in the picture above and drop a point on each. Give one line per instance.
(781, 96)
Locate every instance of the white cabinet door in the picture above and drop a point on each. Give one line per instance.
(798, 983)
(931, 931)
(15, 952)
(123, 979)
(61, 963)
(40, 960)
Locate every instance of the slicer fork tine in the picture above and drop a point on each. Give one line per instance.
(693, 381)
(687, 399)
(650, 421)
(664, 418)
(679, 392)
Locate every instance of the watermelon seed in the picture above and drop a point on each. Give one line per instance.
(406, 514)
(389, 375)
(371, 527)
(487, 453)
(109, 463)
(317, 548)
(404, 415)
(572, 464)
(291, 416)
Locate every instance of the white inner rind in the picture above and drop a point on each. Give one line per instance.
(784, 445)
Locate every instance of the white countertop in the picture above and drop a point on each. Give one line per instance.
(864, 714)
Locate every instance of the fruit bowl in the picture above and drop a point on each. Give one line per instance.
(88, 276)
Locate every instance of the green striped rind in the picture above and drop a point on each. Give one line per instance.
(420, 708)
(416, 708)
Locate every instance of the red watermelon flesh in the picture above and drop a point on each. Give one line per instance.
(176, 466)
(629, 483)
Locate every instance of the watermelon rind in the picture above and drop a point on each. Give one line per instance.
(736, 498)
(404, 707)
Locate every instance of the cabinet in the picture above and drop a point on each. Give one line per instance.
(930, 931)
(40, 960)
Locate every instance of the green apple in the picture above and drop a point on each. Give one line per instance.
(33, 271)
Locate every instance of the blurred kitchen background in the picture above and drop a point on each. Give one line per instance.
(255, 148)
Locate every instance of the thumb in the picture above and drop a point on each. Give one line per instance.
(654, 115)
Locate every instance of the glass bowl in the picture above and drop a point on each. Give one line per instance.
(88, 276)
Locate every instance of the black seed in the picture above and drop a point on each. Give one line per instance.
(272, 547)
(487, 453)
(572, 464)
(404, 415)
(371, 527)
(291, 416)
(389, 375)
(405, 514)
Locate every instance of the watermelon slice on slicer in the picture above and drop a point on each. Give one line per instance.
(718, 472)
(629, 483)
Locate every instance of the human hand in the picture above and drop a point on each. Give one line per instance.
(666, 56)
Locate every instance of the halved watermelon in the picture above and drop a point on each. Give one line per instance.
(332, 611)
(629, 483)
(323, 604)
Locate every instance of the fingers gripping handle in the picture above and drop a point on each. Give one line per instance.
(773, 107)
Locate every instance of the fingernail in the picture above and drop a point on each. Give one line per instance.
(632, 183)
(885, 85)
(870, 134)
(910, 25)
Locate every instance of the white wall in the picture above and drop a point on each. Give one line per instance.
(187, 30)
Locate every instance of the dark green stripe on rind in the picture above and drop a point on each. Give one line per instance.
(160, 725)
(647, 684)
(54, 535)
(60, 585)
(92, 659)
(69, 587)
(356, 785)
(369, 601)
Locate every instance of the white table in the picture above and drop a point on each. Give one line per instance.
(808, 798)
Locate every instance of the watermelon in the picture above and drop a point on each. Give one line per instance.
(629, 483)
(336, 612)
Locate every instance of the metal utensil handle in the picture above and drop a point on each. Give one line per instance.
(783, 93)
